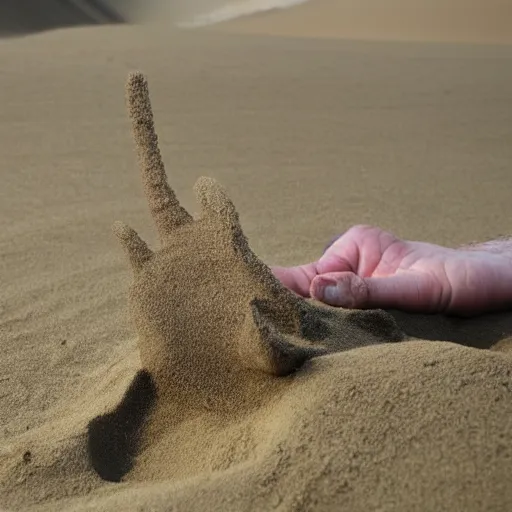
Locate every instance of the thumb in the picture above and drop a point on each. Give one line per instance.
(348, 290)
(344, 289)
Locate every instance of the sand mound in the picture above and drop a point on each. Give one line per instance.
(246, 397)
(401, 20)
(217, 331)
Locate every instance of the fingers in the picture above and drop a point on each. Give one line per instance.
(298, 279)
(343, 289)
(357, 250)
(341, 255)
(331, 242)
(348, 290)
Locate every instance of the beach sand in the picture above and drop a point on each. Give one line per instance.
(171, 388)
(471, 21)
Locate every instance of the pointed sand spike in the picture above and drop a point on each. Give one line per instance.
(167, 213)
(137, 250)
(216, 204)
(215, 201)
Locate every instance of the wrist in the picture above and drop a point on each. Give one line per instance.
(501, 245)
(481, 280)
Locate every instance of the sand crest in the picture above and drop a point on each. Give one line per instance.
(393, 20)
(246, 397)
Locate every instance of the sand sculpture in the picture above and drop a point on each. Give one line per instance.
(247, 397)
(215, 326)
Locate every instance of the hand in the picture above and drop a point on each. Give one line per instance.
(367, 267)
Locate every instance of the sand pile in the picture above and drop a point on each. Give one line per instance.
(217, 332)
(246, 397)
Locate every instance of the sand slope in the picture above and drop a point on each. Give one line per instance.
(308, 137)
(402, 20)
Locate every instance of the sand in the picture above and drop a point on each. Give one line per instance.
(175, 372)
(467, 21)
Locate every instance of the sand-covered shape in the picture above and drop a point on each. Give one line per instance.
(246, 397)
(485, 21)
(217, 332)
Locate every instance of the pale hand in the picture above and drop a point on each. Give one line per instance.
(367, 267)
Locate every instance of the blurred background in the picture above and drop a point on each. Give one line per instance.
(487, 21)
(25, 16)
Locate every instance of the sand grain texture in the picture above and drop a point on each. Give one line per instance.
(218, 334)
(218, 389)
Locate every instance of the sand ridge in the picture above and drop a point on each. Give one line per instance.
(466, 21)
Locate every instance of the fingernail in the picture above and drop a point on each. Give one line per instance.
(330, 293)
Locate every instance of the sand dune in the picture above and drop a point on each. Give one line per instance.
(180, 374)
(402, 20)
(197, 14)
(416, 20)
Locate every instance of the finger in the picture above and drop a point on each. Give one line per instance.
(331, 242)
(348, 290)
(358, 250)
(297, 279)
(341, 255)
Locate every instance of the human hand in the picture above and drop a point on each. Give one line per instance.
(367, 267)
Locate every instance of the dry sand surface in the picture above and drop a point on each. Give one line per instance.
(484, 21)
(162, 376)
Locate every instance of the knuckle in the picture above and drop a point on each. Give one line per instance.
(359, 229)
(359, 290)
